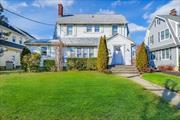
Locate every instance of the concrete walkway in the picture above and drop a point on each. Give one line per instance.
(172, 97)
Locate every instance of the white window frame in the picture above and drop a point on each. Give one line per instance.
(113, 31)
(69, 30)
(165, 54)
(89, 28)
(96, 26)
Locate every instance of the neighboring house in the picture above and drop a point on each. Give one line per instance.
(163, 40)
(11, 45)
(81, 33)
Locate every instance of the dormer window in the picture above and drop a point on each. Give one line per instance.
(114, 29)
(69, 30)
(89, 28)
(167, 33)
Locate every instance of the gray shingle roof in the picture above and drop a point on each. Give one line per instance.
(80, 41)
(175, 18)
(92, 19)
(66, 41)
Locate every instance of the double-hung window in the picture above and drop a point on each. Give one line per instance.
(166, 54)
(97, 28)
(69, 29)
(91, 52)
(162, 35)
(114, 29)
(85, 53)
(79, 53)
(20, 41)
(167, 33)
(89, 28)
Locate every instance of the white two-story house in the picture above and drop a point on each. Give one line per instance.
(81, 33)
(11, 45)
(163, 40)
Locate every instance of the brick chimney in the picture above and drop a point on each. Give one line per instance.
(60, 9)
(173, 12)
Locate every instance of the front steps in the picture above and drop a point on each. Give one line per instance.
(125, 70)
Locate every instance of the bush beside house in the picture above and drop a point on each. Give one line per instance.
(32, 62)
(24, 52)
(50, 65)
(102, 59)
(142, 58)
(81, 63)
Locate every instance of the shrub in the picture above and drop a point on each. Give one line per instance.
(165, 68)
(142, 58)
(81, 63)
(50, 65)
(24, 52)
(102, 59)
(32, 61)
(91, 64)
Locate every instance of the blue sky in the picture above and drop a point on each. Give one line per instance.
(138, 13)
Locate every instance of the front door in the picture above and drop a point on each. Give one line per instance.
(117, 58)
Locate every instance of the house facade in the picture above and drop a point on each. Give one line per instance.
(163, 40)
(81, 33)
(11, 45)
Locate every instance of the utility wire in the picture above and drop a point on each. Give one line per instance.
(27, 18)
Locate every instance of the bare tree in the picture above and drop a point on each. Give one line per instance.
(59, 55)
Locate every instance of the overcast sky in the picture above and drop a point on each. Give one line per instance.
(138, 13)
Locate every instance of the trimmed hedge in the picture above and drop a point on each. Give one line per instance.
(81, 63)
(49, 65)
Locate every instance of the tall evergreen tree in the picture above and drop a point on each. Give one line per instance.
(102, 60)
(142, 58)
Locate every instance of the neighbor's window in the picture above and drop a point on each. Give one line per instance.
(153, 56)
(44, 51)
(89, 28)
(114, 29)
(97, 28)
(91, 52)
(162, 35)
(85, 53)
(167, 33)
(69, 30)
(14, 39)
(20, 41)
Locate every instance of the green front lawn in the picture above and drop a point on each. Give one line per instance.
(78, 96)
(161, 78)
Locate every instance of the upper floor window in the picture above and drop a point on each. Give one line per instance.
(69, 30)
(167, 33)
(89, 28)
(114, 29)
(158, 21)
(14, 39)
(44, 51)
(97, 28)
(20, 41)
(162, 35)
